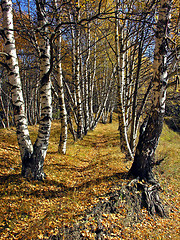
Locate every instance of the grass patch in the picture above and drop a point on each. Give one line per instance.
(169, 150)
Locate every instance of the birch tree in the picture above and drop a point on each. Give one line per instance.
(25, 145)
(41, 144)
(87, 84)
(32, 155)
(63, 111)
(75, 16)
(124, 142)
(152, 126)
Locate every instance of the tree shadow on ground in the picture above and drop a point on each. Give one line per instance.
(44, 189)
(11, 178)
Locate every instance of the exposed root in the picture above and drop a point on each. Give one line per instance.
(153, 201)
(131, 198)
(149, 197)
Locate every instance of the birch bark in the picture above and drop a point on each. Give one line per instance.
(63, 111)
(76, 69)
(42, 141)
(80, 125)
(25, 145)
(152, 127)
(87, 80)
(91, 87)
(133, 134)
(32, 156)
(124, 143)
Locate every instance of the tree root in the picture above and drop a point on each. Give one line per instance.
(149, 197)
(131, 197)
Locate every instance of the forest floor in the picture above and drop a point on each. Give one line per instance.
(65, 205)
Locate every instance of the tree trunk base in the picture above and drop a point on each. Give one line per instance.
(149, 196)
(30, 174)
(32, 167)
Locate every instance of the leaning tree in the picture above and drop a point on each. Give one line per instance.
(151, 128)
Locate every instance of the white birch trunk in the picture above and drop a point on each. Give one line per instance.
(32, 156)
(133, 133)
(73, 59)
(80, 125)
(63, 112)
(124, 143)
(86, 112)
(91, 87)
(24, 141)
(42, 141)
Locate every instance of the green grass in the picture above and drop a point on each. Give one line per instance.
(169, 150)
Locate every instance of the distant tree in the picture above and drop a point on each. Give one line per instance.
(59, 76)
(75, 17)
(120, 64)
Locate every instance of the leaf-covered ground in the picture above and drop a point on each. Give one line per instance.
(69, 204)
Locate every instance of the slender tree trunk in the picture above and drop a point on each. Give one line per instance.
(152, 127)
(42, 141)
(80, 125)
(71, 127)
(7, 112)
(25, 145)
(63, 112)
(103, 103)
(134, 104)
(111, 114)
(127, 83)
(76, 69)
(86, 112)
(3, 110)
(36, 104)
(91, 87)
(73, 59)
(124, 143)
